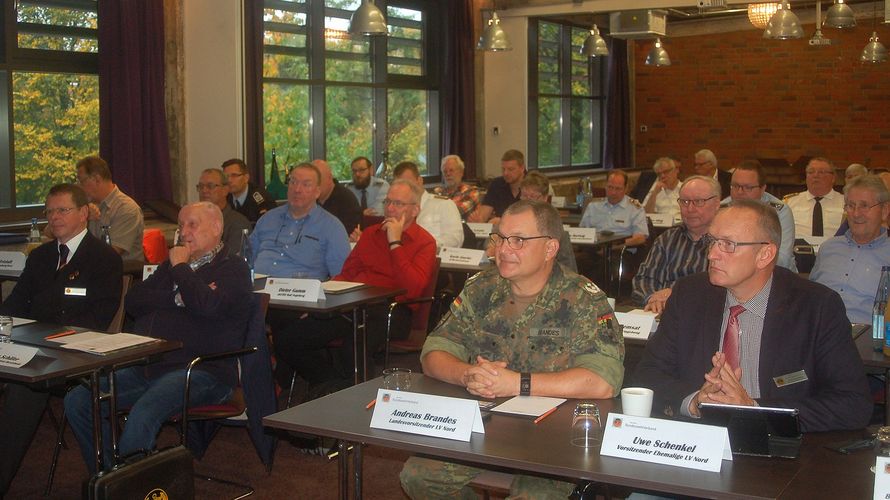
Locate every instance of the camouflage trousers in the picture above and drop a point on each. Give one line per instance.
(423, 478)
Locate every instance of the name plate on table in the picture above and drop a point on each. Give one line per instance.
(661, 220)
(681, 444)
(464, 256)
(15, 355)
(582, 234)
(636, 324)
(480, 229)
(558, 201)
(302, 290)
(882, 478)
(148, 270)
(12, 261)
(428, 415)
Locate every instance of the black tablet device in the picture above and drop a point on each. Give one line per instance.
(756, 430)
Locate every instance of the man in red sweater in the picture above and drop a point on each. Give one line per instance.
(396, 253)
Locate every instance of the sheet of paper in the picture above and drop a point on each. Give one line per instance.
(532, 406)
(109, 343)
(340, 286)
(20, 321)
(79, 337)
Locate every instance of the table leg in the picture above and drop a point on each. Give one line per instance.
(887, 397)
(343, 469)
(97, 418)
(364, 344)
(112, 418)
(357, 470)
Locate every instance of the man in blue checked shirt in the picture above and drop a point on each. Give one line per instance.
(300, 239)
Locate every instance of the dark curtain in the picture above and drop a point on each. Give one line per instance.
(617, 148)
(132, 119)
(458, 93)
(253, 71)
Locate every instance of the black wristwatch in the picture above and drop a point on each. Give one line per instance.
(525, 384)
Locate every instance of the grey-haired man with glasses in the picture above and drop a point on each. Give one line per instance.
(529, 326)
(760, 334)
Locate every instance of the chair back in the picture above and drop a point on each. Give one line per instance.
(421, 316)
(370, 220)
(256, 379)
(117, 322)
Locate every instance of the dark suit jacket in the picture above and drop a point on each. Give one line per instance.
(40, 291)
(343, 205)
(805, 328)
(257, 203)
(725, 179)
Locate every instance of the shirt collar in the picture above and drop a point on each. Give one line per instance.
(111, 196)
(206, 258)
(73, 243)
(880, 239)
(756, 304)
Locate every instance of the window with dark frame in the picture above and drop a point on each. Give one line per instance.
(327, 94)
(566, 98)
(49, 98)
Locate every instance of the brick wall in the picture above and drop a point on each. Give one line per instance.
(745, 97)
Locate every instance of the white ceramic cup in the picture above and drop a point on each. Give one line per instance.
(636, 401)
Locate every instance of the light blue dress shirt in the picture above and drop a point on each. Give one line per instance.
(376, 192)
(314, 246)
(853, 271)
(623, 218)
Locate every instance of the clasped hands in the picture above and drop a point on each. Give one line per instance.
(722, 385)
(490, 379)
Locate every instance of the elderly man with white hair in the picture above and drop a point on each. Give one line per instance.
(705, 164)
(465, 196)
(664, 193)
(199, 297)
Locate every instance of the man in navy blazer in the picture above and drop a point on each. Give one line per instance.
(83, 289)
(788, 345)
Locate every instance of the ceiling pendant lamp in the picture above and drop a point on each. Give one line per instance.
(874, 51)
(658, 56)
(840, 16)
(784, 25)
(595, 45)
(493, 38)
(367, 20)
(760, 13)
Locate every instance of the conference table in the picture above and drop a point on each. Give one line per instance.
(519, 445)
(53, 366)
(872, 358)
(355, 301)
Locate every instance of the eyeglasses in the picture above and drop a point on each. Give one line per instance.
(729, 246)
(700, 163)
(861, 207)
(49, 212)
(698, 203)
(211, 186)
(514, 242)
(742, 187)
(235, 174)
(308, 184)
(397, 203)
(820, 172)
(665, 171)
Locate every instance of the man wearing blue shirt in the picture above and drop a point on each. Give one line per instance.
(618, 212)
(300, 239)
(851, 264)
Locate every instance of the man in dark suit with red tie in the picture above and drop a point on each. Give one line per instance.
(74, 279)
(760, 334)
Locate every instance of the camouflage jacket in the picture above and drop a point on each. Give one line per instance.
(569, 325)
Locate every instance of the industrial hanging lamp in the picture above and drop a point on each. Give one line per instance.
(874, 51)
(658, 56)
(493, 38)
(367, 20)
(595, 44)
(784, 25)
(840, 16)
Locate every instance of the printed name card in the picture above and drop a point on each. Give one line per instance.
(480, 229)
(661, 220)
(462, 256)
(15, 355)
(681, 444)
(558, 201)
(148, 270)
(882, 478)
(302, 290)
(12, 261)
(428, 415)
(636, 324)
(582, 234)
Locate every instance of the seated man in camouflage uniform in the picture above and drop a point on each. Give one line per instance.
(529, 327)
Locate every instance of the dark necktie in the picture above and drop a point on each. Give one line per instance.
(731, 337)
(63, 256)
(817, 217)
(364, 199)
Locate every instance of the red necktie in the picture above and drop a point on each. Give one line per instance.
(731, 337)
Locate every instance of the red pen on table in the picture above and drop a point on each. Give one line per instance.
(371, 404)
(546, 414)
(60, 334)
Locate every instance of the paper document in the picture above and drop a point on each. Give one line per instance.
(340, 286)
(532, 406)
(78, 337)
(105, 343)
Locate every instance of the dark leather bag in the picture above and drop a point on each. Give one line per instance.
(162, 475)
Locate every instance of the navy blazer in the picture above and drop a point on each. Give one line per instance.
(805, 328)
(40, 292)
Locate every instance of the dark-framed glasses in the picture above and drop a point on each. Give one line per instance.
(744, 188)
(698, 203)
(397, 203)
(210, 185)
(729, 246)
(514, 242)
